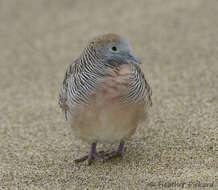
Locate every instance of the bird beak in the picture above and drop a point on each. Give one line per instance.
(133, 58)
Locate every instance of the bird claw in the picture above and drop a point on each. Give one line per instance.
(101, 155)
(88, 158)
(112, 155)
(82, 159)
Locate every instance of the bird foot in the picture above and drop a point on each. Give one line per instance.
(111, 155)
(115, 154)
(101, 155)
(90, 157)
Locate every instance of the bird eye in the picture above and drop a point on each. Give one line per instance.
(114, 48)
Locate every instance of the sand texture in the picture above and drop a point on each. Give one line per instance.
(177, 42)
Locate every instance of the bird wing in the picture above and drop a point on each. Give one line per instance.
(63, 93)
(139, 85)
(76, 88)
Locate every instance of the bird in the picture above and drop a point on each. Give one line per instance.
(104, 95)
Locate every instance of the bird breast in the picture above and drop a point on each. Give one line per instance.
(107, 118)
(114, 84)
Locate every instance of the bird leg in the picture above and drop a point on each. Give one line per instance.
(118, 153)
(91, 155)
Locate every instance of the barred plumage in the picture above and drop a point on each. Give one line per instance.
(102, 85)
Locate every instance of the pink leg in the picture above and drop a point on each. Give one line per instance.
(101, 155)
(118, 153)
(88, 158)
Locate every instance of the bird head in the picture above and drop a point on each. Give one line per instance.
(114, 48)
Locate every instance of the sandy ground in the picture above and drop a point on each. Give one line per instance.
(177, 41)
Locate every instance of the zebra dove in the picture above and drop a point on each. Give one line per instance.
(104, 95)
